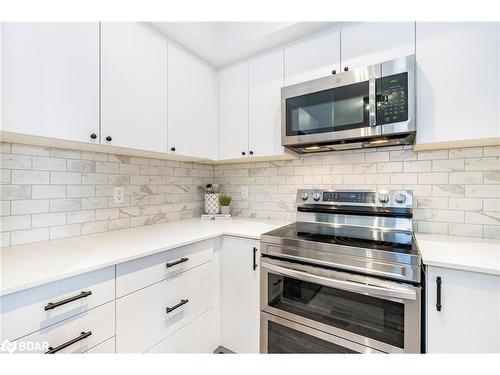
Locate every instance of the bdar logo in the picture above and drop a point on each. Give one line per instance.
(8, 347)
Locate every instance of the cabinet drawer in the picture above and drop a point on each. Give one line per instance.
(105, 347)
(142, 320)
(199, 336)
(29, 310)
(137, 274)
(91, 327)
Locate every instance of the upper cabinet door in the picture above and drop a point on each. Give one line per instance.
(312, 58)
(133, 87)
(458, 82)
(371, 43)
(233, 112)
(192, 105)
(266, 78)
(50, 80)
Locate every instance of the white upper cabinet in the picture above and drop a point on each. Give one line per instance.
(133, 87)
(233, 112)
(192, 105)
(369, 43)
(50, 80)
(312, 58)
(458, 86)
(266, 77)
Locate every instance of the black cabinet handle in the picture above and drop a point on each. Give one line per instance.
(108, 138)
(93, 136)
(182, 260)
(183, 302)
(82, 336)
(346, 68)
(438, 293)
(334, 71)
(53, 305)
(251, 152)
(172, 149)
(254, 258)
(243, 153)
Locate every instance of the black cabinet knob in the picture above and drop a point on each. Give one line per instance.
(346, 68)
(251, 152)
(93, 136)
(243, 153)
(334, 71)
(108, 138)
(172, 149)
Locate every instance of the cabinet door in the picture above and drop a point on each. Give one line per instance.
(469, 320)
(240, 295)
(133, 87)
(312, 58)
(265, 82)
(192, 105)
(233, 112)
(50, 80)
(370, 43)
(458, 81)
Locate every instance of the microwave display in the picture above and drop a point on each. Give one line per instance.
(392, 98)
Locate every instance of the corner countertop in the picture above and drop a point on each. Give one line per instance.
(461, 253)
(30, 265)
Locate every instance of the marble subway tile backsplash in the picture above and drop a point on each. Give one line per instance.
(456, 191)
(49, 193)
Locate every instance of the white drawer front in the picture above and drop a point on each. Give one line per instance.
(25, 312)
(105, 347)
(141, 317)
(199, 336)
(99, 322)
(137, 274)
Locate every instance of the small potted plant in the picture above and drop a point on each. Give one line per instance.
(225, 201)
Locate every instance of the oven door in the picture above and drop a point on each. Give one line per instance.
(280, 336)
(331, 108)
(379, 314)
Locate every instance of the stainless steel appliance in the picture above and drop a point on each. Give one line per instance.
(366, 107)
(345, 277)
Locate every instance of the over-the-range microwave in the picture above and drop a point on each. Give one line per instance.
(364, 107)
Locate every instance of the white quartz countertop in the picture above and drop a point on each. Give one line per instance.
(462, 253)
(34, 264)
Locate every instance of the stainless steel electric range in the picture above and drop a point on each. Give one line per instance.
(344, 278)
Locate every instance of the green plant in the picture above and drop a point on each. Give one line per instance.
(225, 200)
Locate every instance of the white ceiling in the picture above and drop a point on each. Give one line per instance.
(223, 43)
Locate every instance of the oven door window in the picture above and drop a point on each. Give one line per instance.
(330, 110)
(371, 317)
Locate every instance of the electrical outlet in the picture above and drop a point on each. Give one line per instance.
(118, 194)
(244, 192)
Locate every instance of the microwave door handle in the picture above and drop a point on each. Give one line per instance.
(372, 101)
(350, 286)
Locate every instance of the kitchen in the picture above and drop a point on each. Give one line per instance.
(170, 192)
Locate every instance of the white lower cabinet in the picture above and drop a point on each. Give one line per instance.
(466, 317)
(240, 294)
(146, 317)
(106, 347)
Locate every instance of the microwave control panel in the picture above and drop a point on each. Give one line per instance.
(392, 98)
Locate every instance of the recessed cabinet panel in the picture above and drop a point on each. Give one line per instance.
(133, 87)
(50, 80)
(457, 78)
(192, 105)
(369, 43)
(313, 57)
(233, 112)
(265, 82)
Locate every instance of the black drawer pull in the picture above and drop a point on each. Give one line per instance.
(254, 258)
(183, 302)
(82, 336)
(438, 293)
(182, 260)
(53, 305)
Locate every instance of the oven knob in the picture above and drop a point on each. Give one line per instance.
(304, 196)
(316, 196)
(400, 198)
(383, 198)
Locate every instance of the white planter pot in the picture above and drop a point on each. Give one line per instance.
(225, 210)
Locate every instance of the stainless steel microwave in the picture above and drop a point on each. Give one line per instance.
(360, 108)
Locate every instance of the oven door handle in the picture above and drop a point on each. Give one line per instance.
(351, 286)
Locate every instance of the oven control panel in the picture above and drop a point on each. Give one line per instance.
(369, 198)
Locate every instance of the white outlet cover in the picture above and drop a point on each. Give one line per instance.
(244, 192)
(119, 194)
